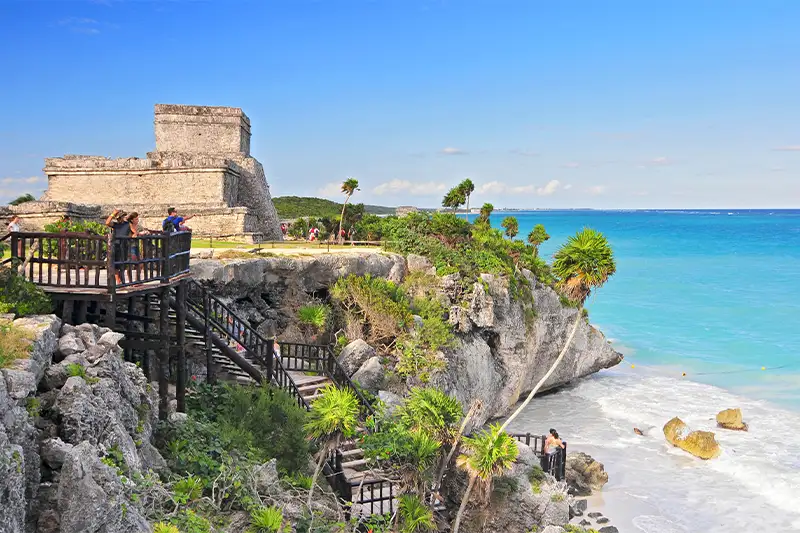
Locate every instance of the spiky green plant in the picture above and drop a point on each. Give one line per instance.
(315, 315)
(413, 515)
(511, 225)
(583, 263)
(333, 415)
(76, 370)
(486, 212)
(188, 489)
(266, 520)
(489, 453)
(431, 410)
(162, 527)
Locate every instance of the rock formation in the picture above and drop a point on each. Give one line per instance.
(584, 474)
(90, 405)
(731, 419)
(501, 352)
(701, 444)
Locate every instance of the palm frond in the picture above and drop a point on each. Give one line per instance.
(334, 412)
(490, 453)
(583, 263)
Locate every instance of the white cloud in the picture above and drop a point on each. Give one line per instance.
(498, 187)
(452, 151)
(526, 153)
(568, 186)
(791, 148)
(596, 190)
(571, 164)
(330, 189)
(80, 25)
(30, 180)
(413, 188)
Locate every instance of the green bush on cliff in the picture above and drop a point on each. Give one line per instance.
(21, 297)
(244, 424)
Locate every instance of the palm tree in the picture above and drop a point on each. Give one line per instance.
(431, 410)
(467, 188)
(486, 212)
(512, 227)
(536, 237)
(454, 198)
(349, 186)
(332, 416)
(586, 261)
(490, 454)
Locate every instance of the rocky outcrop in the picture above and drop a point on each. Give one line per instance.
(584, 474)
(89, 405)
(371, 376)
(514, 504)
(506, 342)
(731, 419)
(701, 444)
(508, 346)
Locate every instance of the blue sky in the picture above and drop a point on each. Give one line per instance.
(613, 104)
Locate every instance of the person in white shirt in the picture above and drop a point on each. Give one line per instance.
(13, 227)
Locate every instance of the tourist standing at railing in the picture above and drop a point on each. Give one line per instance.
(552, 449)
(136, 250)
(14, 227)
(121, 231)
(174, 222)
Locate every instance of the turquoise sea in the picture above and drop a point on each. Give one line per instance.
(714, 294)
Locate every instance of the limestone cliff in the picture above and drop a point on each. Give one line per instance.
(501, 352)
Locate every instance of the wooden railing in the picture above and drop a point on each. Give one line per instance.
(320, 359)
(81, 260)
(375, 497)
(221, 320)
(553, 464)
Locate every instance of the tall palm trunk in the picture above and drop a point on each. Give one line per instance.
(467, 214)
(341, 219)
(454, 448)
(331, 444)
(546, 376)
(464, 501)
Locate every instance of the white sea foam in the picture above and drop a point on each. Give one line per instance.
(752, 485)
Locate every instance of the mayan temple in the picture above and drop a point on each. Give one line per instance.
(202, 165)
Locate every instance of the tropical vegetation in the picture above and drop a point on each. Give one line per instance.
(291, 207)
(349, 186)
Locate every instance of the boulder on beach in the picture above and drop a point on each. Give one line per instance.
(701, 444)
(731, 419)
(584, 474)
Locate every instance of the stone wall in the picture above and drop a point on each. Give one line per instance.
(201, 165)
(202, 129)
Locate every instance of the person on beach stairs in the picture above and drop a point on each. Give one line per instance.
(552, 450)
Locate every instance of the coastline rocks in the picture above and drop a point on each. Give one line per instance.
(354, 355)
(584, 474)
(418, 263)
(731, 419)
(701, 444)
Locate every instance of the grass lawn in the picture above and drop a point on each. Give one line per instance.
(205, 243)
(14, 344)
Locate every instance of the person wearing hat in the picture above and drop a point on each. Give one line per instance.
(121, 231)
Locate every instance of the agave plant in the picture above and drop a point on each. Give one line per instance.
(431, 410)
(162, 527)
(266, 520)
(413, 515)
(489, 454)
(333, 415)
(583, 263)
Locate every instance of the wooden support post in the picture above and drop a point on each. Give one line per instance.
(129, 351)
(148, 328)
(269, 359)
(211, 377)
(80, 311)
(181, 334)
(67, 313)
(163, 354)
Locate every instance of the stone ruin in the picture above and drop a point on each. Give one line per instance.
(202, 166)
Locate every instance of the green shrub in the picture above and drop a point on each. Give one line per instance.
(300, 481)
(315, 315)
(379, 303)
(414, 515)
(188, 521)
(505, 485)
(27, 197)
(33, 406)
(187, 490)
(21, 297)
(76, 370)
(267, 520)
(432, 411)
(15, 343)
(161, 527)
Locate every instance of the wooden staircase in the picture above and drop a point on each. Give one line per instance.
(240, 355)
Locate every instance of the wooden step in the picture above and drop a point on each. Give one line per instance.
(353, 452)
(312, 387)
(354, 464)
